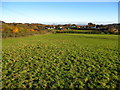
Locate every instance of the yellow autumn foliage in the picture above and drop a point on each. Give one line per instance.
(1, 29)
(15, 29)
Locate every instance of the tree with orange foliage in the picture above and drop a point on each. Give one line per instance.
(15, 29)
(32, 30)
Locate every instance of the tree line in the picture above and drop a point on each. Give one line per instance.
(23, 29)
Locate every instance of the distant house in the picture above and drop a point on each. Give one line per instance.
(67, 27)
(59, 28)
(49, 27)
(93, 27)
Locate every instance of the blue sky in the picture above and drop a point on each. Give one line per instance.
(60, 12)
(60, 0)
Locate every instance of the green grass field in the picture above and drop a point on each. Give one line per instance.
(61, 61)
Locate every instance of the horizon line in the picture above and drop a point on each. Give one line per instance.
(54, 23)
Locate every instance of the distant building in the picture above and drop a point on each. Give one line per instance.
(59, 28)
(49, 27)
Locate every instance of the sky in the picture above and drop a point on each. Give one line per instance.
(60, 0)
(60, 12)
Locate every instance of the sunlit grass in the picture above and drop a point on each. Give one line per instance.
(61, 60)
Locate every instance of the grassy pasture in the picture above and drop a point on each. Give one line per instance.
(61, 61)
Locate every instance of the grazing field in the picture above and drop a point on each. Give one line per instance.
(61, 61)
